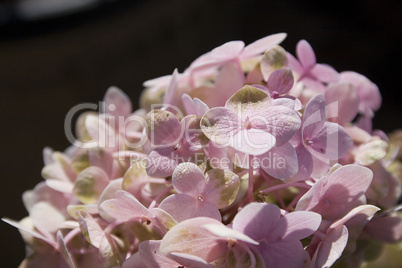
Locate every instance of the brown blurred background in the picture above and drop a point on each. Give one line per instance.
(47, 66)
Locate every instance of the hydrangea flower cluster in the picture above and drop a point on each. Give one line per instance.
(251, 157)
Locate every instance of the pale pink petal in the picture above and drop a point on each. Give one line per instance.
(188, 179)
(296, 226)
(369, 93)
(219, 124)
(190, 261)
(305, 54)
(101, 132)
(170, 94)
(64, 252)
(90, 184)
(110, 191)
(294, 64)
(109, 252)
(182, 207)
(325, 73)
(228, 233)
(31, 231)
(331, 248)
(312, 197)
(125, 207)
(90, 228)
(193, 140)
(221, 187)
(313, 83)
(257, 220)
(189, 237)
(60, 186)
(330, 142)
(358, 215)
(263, 44)
(160, 162)
(273, 59)
(280, 81)
(248, 101)
(229, 80)
(152, 257)
(280, 162)
(314, 116)
(46, 218)
(287, 102)
(227, 51)
(343, 102)
(47, 155)
(200, 107)
(102, 159)
(252, 141)
(219, 156)
(305, 164)
(188, 104)
(117, 103)
(348, 183)
(280, 121)
(74, 210)
(163, 128)
(163, 220)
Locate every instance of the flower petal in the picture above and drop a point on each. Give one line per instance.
(305, 53)
(325, 73)
(117, 103)
(297, 225)
(263, 44)
(221, 187)
(280, 162)
(182, 207)
(280, 81)
(188, 179)
(189, 237)
(257, 220)
(163, 128)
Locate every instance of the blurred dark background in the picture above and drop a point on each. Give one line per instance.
(48, 65)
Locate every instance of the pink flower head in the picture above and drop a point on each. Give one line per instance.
(312, 74)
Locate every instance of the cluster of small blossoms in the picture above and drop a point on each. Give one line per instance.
(251, 157)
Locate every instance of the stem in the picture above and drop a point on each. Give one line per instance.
(71, 235)
(156, 180)
(285, 185)
(320, 235)
(250, 195)
(295, 200)
(280, 200)
(159, 196)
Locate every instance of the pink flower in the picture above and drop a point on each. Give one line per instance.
(312, 74)
(278, 236)
(335, 194)
(174, 142)
(318, 140)
(200, 195)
